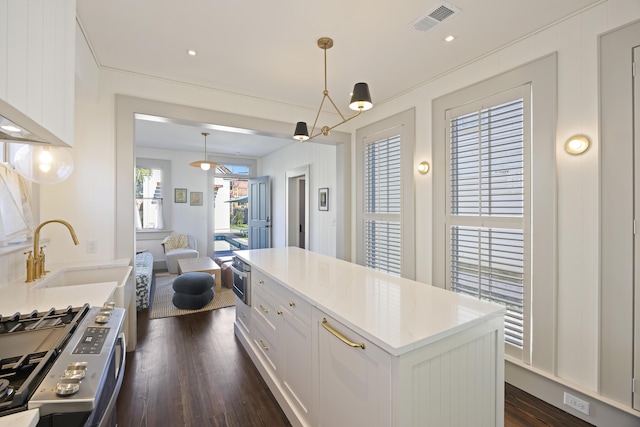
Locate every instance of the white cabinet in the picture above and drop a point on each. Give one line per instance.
(243, 316)
(295, 353)
(265, 321)
(281, 336)
(37, 66)
(354, 377)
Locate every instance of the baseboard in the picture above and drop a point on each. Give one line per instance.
(602, 411)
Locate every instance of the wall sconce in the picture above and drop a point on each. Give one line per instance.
(577, 144)
(424, 167)
(44, 164)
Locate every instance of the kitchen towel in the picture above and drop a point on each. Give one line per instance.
(16, 218)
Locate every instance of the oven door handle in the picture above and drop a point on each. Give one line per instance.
(242, 274)
(106, 416)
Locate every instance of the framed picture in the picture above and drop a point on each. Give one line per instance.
(323, 199)
(180, 195)
(196, 198)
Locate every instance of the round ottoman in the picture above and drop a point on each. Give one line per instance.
(192, 290)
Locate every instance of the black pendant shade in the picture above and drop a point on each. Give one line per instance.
(361, 98)
(301, 133)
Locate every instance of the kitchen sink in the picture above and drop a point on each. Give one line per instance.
(84, 275)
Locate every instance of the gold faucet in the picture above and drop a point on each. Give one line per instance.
(35, 260)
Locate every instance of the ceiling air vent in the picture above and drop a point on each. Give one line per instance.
(435, 16)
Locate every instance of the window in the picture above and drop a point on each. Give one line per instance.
(382, 189)
(494, 201)
(385, 236)
(153, 195)
(487, 151)
(234, 170)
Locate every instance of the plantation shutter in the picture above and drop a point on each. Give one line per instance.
(486, 196)
(382, 212)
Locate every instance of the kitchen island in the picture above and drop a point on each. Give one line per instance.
(341, 344)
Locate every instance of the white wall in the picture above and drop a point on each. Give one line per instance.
(575, 40)
(322, 224)
(184, 217)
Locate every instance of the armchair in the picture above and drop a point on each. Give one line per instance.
(179, 246)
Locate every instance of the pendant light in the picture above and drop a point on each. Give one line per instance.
(360, 101)
(205, 165)
(44, 164)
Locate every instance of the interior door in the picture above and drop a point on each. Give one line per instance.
(259, 212)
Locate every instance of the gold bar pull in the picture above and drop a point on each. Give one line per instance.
(341, 337)
(264, 309)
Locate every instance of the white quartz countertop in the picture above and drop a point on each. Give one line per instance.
(396, 314)
(18, 296)
(21, 419)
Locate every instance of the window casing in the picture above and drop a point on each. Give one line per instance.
(385, 238)
(488, 208)
(538, 82)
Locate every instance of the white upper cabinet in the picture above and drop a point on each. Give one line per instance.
(37, 61)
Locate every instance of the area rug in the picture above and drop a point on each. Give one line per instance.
(161, 306)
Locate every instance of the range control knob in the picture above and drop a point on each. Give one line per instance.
(67, 387)
(76, 371)
(102, 319)
(104, 315)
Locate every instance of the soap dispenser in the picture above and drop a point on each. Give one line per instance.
(29, 267)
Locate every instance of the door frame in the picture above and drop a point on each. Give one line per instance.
(290, 176)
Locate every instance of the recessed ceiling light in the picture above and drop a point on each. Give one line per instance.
(450, 38)
(192, 52)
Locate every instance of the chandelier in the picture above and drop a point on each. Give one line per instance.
(205, 165)
(360, 101)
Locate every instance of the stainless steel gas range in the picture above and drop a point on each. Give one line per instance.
(67, 363)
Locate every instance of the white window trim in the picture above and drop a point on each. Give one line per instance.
(500, 222)
(403, 124)
(541, 74)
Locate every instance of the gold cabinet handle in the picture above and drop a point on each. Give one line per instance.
(264, 346)
(341, 337)
(279, 312)
(261, 282)
(292, 304)
(243, 315)
(264, 309)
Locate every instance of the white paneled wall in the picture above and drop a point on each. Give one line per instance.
(322, 161)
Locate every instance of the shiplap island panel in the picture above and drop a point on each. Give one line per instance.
(341, 344)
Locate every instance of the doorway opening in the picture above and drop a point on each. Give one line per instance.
(297, 207)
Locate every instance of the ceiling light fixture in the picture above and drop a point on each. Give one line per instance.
(44, 164)
(192, 52)
(205, 165)
(360, 101)
(450, 38)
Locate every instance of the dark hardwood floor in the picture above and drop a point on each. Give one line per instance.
(192, 371)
